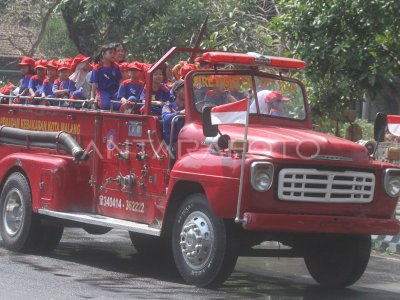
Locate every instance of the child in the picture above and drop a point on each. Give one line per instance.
(36, 82)
(52, 75)
(130, 90)
(79, 86)
(27, 66)
(61, 85)
(105, 78)
(159, 93)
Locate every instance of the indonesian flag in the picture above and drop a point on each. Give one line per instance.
(231, 113)
(394, 124)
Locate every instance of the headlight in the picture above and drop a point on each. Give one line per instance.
(261, 177)
(392, 182)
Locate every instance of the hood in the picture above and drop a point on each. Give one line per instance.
(297, 143)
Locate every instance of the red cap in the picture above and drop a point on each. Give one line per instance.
(123, 66)
(186, 69)
(41, 64)
(65, 64)
(53, 64)
(135, 65)
(146, 67)
(199, 59)
(77, 60)
(27, 61)
(274, 95)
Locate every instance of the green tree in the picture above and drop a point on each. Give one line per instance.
(352, 47)
(149, 28)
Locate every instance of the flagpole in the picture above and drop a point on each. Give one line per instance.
(246, 129)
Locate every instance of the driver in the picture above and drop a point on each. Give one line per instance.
(276, 102)
(268, 103)
(218, 95)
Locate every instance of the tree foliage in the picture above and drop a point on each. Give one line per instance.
(149, 28)
(351, 47)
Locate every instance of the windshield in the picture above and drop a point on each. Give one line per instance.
(276, 98)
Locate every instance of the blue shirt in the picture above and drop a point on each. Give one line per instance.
(106, 78)
(169, 111)
(61, 85)
(162, 94)
(47, 88)
(130, 90)
(24, 83)
(36, 84)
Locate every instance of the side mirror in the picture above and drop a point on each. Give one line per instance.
(209, 130)
(380, 127)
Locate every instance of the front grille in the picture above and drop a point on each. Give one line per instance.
(313, 185)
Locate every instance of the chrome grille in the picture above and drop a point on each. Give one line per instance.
(313, 185)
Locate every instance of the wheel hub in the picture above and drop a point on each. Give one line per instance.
(197, 240)
(13, 212)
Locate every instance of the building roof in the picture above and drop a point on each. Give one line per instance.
(21, 40)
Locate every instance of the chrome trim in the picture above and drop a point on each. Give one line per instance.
(254, 167)
(312, 185)
(333, 157)
(385, 175)
(103, 221)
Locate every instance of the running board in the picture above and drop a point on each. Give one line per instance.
(103, 221)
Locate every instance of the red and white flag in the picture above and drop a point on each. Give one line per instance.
(394, 124)
(231, 113)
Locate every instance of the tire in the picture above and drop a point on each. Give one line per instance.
(204, 249)
(20, 228)
(338, 261)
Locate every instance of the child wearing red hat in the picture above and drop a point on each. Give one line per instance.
(52, 75)
(105, 78)
(130, 90)
(36, 82)
(79, 86)
(61, 84)
(27, 66)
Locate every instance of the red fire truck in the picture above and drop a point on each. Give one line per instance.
(225, 190)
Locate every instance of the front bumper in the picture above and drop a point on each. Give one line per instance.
(320, 224)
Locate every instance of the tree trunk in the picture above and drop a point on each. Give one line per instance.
(81, 32)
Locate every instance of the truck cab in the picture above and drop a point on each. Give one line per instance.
(228, 186)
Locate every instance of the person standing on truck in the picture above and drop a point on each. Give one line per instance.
(79, 86)
(27, 66)
(159, 93)
(36, 81)
(52, 75)
(171, 110)
(130, 90)
(105, 78)
(61, 85)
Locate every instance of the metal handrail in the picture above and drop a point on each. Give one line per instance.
(171, 155)
(43, 98)
(158, 156)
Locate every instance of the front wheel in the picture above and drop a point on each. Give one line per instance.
(338, 261)
(204, 249)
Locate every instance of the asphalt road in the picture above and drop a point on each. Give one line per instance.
(107, 267)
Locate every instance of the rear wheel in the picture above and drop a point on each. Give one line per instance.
(204, 249)
(338, 261)
(20, 228)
